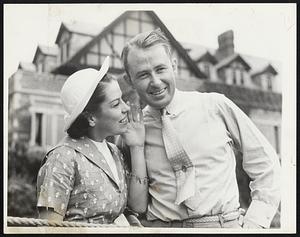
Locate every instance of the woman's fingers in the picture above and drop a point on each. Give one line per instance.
(135, 113)
(129, 114)
(140, 115)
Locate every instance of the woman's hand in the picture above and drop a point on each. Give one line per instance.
(135, 134)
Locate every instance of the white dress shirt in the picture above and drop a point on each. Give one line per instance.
(210, 127)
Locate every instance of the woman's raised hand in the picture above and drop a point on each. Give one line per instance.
(135, 134)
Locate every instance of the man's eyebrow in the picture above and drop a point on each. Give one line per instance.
(160, 65)
(141, 72)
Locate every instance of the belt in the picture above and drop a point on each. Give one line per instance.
(216, 218)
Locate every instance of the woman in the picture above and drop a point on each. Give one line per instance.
(83, 178)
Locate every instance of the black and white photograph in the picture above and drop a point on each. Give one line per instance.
(149, 118)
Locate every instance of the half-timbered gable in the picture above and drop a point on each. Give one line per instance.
(112, 39)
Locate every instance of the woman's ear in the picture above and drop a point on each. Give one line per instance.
(92, 121)
(90, 118)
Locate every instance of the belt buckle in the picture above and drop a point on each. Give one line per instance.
(227, 216)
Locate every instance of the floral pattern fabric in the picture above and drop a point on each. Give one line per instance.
(77, 182)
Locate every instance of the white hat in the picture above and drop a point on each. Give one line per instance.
(78, 89)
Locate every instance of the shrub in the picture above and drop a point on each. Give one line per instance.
(23, 166)
(21, 196)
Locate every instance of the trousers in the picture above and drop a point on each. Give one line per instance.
(236, 223)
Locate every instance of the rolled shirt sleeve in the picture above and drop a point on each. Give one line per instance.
(260, 162)
(55, 180)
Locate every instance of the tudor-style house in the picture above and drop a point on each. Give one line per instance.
(35, 110)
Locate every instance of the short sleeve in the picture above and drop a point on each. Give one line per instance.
(56, 180)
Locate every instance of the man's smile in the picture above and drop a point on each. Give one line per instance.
(158, 92)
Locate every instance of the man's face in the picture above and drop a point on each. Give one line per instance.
(152, 74)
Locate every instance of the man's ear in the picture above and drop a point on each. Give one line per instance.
(174, 64)
(127, 79)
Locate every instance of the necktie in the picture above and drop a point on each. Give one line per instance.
(182, 166)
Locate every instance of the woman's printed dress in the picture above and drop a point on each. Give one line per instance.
(77, 182)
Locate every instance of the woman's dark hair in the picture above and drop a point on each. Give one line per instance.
(81, 125)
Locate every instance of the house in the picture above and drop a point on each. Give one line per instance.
(36, 113)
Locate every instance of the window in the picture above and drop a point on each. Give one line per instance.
(242, 77)
(237, 76)
(234, 81)
(40, 67)
(269, 83)
(277, 138)
(47, 129)
(38, 128)
(64, 51)
(206, 67)
(272, 134)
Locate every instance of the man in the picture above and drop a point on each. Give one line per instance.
(198, 188)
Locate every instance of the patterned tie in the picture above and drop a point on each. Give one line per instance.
(183, 167)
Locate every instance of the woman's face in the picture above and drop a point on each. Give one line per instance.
(111, 117)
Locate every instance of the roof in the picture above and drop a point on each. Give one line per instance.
(53, 50)
(83, 28)
(257, 64)
(46, 50)
(225, 61)
(123, 16)
(268, 68)
(195, 51)
(244, 97)
(208, 57)
(77, 27)
(27, 66)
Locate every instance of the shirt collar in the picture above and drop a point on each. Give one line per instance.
(174, 108)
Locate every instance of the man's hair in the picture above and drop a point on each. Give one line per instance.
(81, 124)
(144, 41)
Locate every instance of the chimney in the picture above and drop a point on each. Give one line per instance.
(226, 46)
